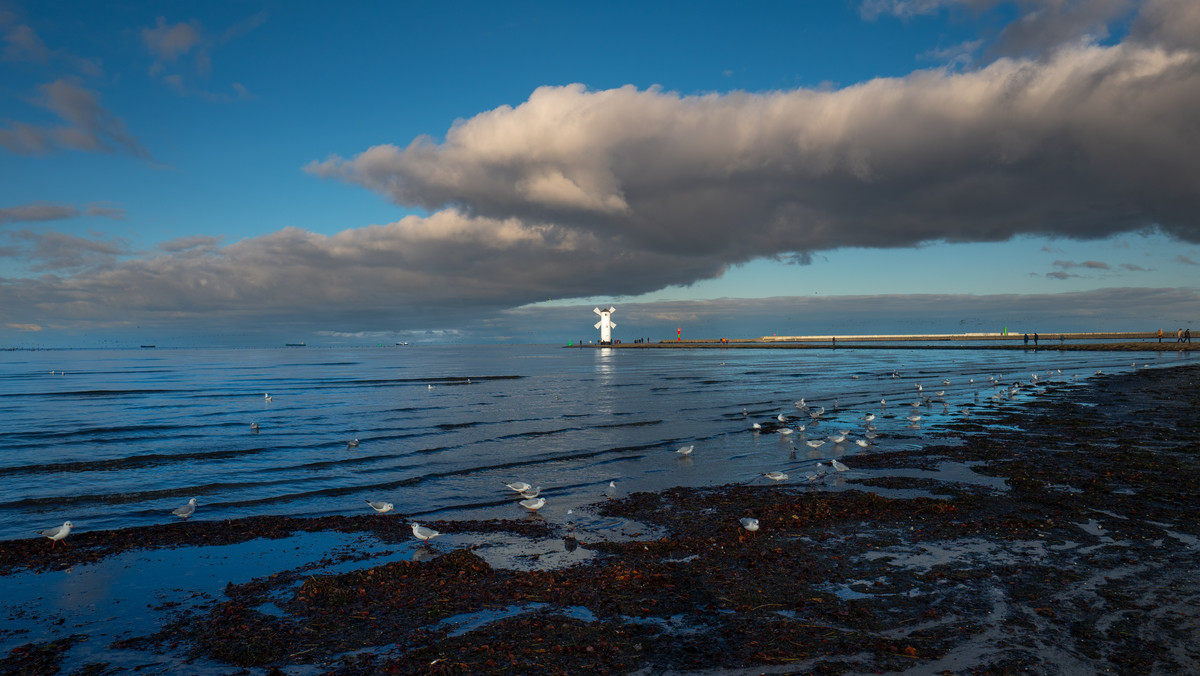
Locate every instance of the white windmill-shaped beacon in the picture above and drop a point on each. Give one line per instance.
(606, 324)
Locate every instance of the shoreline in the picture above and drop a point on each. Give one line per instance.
(1084, 563)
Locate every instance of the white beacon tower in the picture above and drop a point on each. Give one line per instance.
(606, 324)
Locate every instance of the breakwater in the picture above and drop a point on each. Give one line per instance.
(1087, 341)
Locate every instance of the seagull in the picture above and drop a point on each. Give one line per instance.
(519, 486)
(837, 439)
(776, 476)
(254, 427)
(801, 404)
(531, 493)
(570, 523)
(869, 417)
(423, 533)
(749, 523)
(815, 444)
(837, 465)
(267, 397)
(352, 444)
(756, 427)
(380, 507)
(781, 418)
(533, 505)
(611, 491)
(786, 431)
(862, 443)
(686, 450)
(186, 510)
(58, 533)
(914, 418)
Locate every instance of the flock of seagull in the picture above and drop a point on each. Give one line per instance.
(781, 424)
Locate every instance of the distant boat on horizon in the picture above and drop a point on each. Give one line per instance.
(300, 344)
(148, 346)
(404, 343)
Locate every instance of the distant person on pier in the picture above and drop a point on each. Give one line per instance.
(1160, 335)
(1026, 338)
(1187, 336)
(1179, 336)
(1035, 340)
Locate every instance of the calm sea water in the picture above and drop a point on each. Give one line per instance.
(117, 438)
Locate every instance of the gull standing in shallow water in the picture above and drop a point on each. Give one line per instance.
(186, 510)
(776, 476)
(424, 534)
(58, 533)
(749, 523)
(611, 491)
(519, 486)
(686, 450)
(380, 507)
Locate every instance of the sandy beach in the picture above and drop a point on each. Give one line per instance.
(1059, 538)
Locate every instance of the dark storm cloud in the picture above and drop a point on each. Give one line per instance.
(1085, 142)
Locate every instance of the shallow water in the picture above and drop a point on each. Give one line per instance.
(117, 438)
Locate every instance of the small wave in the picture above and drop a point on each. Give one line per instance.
(131, 462)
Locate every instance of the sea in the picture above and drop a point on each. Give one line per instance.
(115, 438)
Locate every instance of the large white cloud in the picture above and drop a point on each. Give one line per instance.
(1085, 142)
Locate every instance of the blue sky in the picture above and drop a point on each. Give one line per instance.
(255, 173)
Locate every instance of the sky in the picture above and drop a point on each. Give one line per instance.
(245, 173)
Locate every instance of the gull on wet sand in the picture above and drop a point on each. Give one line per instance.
(686, 450)
(186, 510)
(58, 533)
(422, 533)
(776, 476)
(749, 523)
(519, 486)
(815, 444)
(838, 466)
(533, 505)
(381, 507)
(611, 491)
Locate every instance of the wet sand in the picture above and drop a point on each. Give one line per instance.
(1084, 560)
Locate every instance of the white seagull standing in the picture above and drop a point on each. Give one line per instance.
(424, 534)
(58, 533)
(749, 523)
(837, 465)
(267, 397)
(533, 505)
(381, 507)
(611, 491)
(686, 450)
(531, 493)
(185, 511)
(519, 486)
(776, 476)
